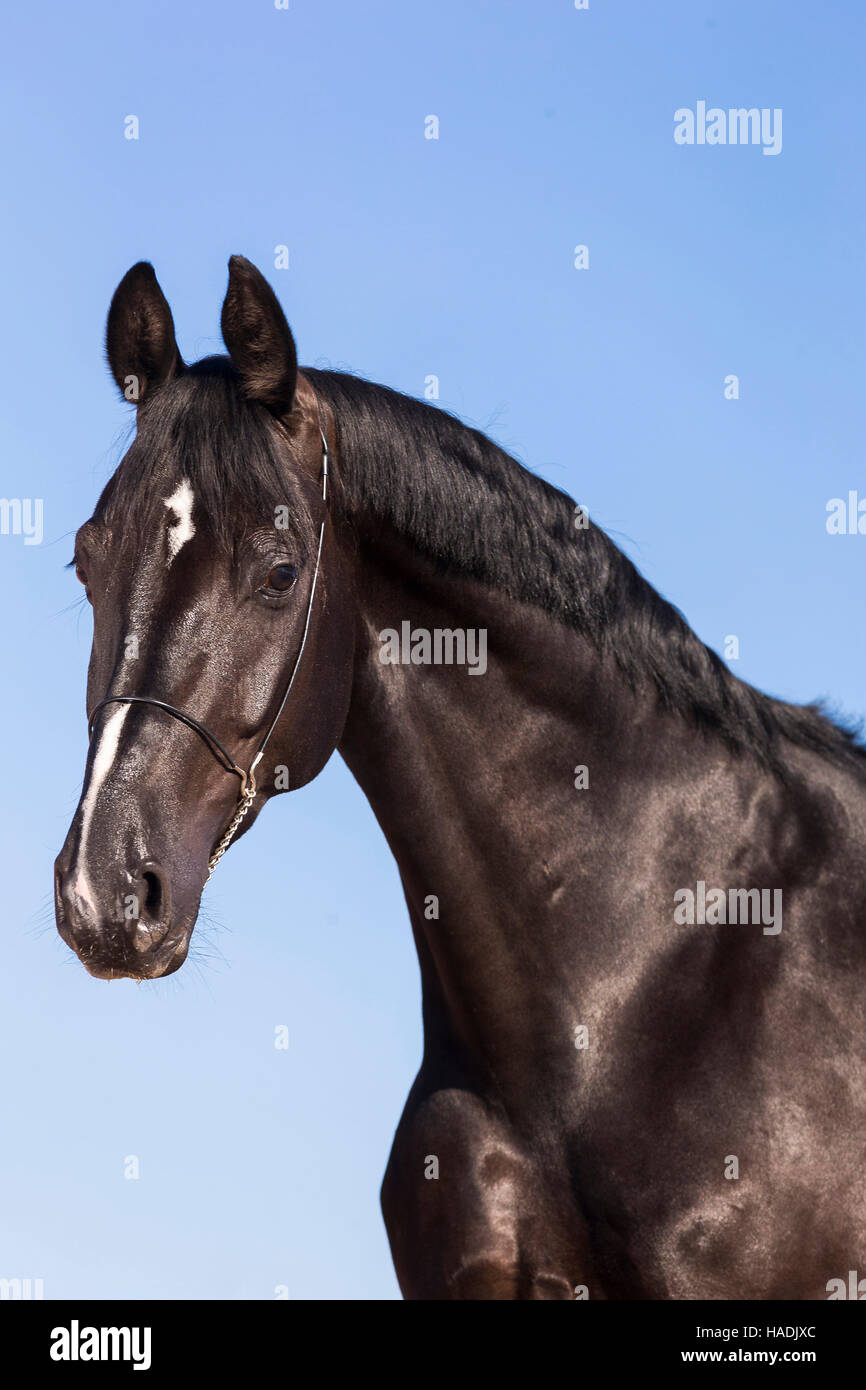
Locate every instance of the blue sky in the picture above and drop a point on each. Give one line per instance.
(408, 257)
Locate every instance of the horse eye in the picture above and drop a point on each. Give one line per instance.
(282, 578)
(79, 574)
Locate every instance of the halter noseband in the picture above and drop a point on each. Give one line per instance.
(223, 757)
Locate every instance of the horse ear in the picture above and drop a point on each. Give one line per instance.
(139, 336)
(258, 338)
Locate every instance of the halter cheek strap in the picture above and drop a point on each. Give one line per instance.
(223, 757)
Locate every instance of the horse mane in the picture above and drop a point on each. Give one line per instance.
(473, 509)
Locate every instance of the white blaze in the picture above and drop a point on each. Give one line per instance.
(181, 503)
(105, 753)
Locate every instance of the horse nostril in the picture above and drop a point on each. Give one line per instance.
(150, 923)
(153, 893)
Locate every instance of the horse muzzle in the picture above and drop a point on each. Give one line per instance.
(125, 928)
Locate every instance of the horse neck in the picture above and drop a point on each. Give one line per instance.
(472, 777)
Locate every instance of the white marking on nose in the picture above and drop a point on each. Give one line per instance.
(181, 503)
(106, 750)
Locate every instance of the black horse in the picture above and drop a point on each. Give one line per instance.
(636, 884)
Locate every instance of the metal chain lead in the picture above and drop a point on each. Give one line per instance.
(248, 796)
